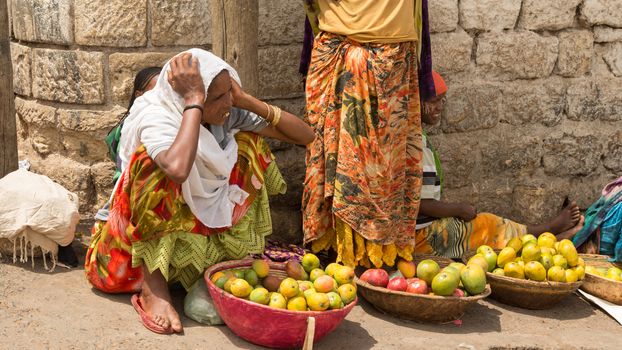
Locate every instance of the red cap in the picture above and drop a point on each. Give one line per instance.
(439, 83)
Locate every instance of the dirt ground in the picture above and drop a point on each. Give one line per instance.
(59, 310)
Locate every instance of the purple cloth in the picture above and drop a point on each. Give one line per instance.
(426, 81)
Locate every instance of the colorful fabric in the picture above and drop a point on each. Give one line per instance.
(364, 167)
(424, 50)
(112, 141)
(431, 188)
(603, 221)
(151, 224)
(281, 252)
(447, 237)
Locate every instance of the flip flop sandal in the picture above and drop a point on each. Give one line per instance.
(146, 320)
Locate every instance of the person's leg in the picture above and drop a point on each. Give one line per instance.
(156, 300)
(566, 220)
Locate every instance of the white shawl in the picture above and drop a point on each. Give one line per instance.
(154, 121)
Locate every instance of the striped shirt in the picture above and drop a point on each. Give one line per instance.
(431, 188)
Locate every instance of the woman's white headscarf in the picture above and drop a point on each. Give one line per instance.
(154, 121)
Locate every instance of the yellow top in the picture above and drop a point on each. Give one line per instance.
(377, 21)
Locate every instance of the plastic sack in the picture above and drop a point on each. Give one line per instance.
(198, 305)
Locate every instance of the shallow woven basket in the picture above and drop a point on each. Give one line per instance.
(266, 326)
(527, 294)
(602, 287)
(419, 307)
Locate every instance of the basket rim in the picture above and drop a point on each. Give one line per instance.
(225, 265)
(369, 286)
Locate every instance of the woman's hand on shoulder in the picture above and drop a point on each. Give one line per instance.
(185, 78)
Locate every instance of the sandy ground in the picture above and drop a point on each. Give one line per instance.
(59, 310)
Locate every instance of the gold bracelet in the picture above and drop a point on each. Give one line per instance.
(277, 115)
(269, 117)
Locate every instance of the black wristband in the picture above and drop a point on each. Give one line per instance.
(199, 107)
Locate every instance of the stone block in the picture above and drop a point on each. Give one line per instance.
(471, 107)
(451, 51)
(512, 151)
(575, 52)
(527, 102)
(21, 59)
(613, 58)
(72, 175)
(571, 155)
(68, 76)
(181, 22)
(607, 12)
(604, 34)
(117, 23)
(488, 196)
(45, 21)
(443, 15)
(39, 125)
(548, 15)
(280, 22)
(613, 156)
(280, 80)
(589, 100)
(534, 204)
(489, 14)
(101, 177)
(83, 133)
(125, 66)
(458, 153)
(516, 55)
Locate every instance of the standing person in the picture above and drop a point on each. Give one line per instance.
(369, 67)
(193, 190)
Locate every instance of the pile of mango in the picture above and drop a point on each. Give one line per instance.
(307, 287)
(612, 273)
(537, 259)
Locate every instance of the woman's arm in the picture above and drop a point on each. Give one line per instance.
(440, 209)
(289, 128)
(186, 80)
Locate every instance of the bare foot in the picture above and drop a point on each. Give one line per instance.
(568, 234)
(565, 220)
(156, 301)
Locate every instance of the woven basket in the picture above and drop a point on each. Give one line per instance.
(266, 326)
(527, 294)
(419, 307)
(601, 287)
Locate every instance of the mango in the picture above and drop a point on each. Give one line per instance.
(227, 285)
(315, 273)
(556, 274)
(261, 268)
(491, 258)
(581, 262)
(513, 269)
(272, 283)
(560, 261)
(473, 279)
(529, 238)
(251, 277)
(220, 282)
(546, 260)
(483, 249)
(335, 300)
(427, 269)
(535, 271)
(240, 288)
(347, 293)
(295, 270)
(260, 296)
(531, 252)
(580, 270)
(324, 284)
(592, 270)
(308, 292)
(445, 283)
(407, 268)
(297, 304)
(331, 268)
(310, 262)
(571, 276)
(498, 271)
(318, 302)
(506, 255)
(480, 260)
(516, 244)
(344, 275)
(277, 301)
(289, 288)
(216, 276)
(457, 265)
(547, 239)
(568, 251)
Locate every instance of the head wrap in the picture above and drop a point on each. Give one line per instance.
(439, 83)
(154, 122)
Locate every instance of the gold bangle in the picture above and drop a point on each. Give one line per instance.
(277, 115)
(268, 117)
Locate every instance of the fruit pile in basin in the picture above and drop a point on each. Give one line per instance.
(603, 278)
(428, 289)
(281, 305)
(530, 272)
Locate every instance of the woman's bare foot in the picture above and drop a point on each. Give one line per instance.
(564, 221)
(156, 301)
(568, 234)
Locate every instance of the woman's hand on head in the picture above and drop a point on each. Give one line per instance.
(239, 97)
(185, 78)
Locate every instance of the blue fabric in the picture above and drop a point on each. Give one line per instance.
(610, 233)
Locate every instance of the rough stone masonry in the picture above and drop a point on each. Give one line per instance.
(534, 103)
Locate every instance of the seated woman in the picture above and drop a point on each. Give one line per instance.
(193, 190)
(444, 228)
(602, 232)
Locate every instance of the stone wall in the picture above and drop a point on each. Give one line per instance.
(533, 113)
